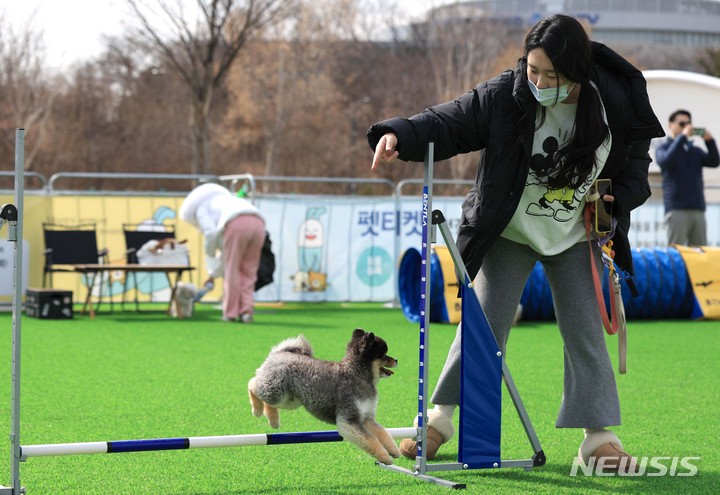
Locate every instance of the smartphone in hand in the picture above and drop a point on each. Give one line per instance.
(603, 209)
(698, 131)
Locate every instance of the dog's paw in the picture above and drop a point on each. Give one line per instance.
(385, 459)
(255, 403)
(272, 415)
(394, 451)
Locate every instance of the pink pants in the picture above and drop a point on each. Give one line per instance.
(242, 243)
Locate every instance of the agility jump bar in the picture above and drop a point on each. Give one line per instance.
(121, 446)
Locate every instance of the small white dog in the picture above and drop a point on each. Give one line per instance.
(184, 302)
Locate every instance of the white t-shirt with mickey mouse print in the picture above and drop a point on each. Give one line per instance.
(551, 220)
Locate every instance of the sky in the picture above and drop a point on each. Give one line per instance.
(73, 29)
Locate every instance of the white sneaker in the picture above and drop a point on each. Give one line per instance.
(246, 318)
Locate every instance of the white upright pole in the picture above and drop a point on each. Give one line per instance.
(17, 309)
(13, 215)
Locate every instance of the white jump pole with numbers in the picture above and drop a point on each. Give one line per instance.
(13, 216)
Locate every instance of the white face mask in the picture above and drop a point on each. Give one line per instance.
(547, 96)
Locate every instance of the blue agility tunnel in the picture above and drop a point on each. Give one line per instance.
(409, 287)
(445, 306)
(661, 278)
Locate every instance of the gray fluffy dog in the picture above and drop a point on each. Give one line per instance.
(341, 393)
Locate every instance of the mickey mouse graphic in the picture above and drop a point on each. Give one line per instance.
(556, 203)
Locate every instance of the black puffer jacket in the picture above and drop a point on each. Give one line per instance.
(487, 117)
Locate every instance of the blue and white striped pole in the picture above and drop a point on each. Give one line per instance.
(150, 445)
(425, 294)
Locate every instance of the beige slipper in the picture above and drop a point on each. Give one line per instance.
(613, 459)
(604, 449)
(440, 430)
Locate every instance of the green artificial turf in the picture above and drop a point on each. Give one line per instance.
(131, 376)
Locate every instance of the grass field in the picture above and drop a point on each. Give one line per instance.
(132, 376)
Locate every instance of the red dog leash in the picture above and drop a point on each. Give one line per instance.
(616, 322)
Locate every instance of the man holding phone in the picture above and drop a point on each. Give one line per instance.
(683, 189)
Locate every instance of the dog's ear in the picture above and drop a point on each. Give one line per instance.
(367, 337)
(357, 333)
(368, 342)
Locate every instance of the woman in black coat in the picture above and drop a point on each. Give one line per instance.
(572, 112)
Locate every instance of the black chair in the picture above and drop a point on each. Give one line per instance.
(136, 236)
(67, 245)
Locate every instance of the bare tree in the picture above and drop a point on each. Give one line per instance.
(203, 53)
(293, 91)
(323, 79)
(463, 50)
(25, 98)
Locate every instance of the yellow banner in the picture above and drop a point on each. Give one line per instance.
(109, 214)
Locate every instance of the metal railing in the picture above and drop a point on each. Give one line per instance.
(351, 182)
(61, 183)
(234, 182)
(53, 189)
(27, 175)
(452, 182)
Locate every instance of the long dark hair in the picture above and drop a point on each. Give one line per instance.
(568, 47)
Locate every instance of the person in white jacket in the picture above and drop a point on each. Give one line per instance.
(234, 233)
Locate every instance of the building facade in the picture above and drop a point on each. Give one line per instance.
(672, 23)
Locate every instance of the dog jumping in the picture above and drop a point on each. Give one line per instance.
(341, 393)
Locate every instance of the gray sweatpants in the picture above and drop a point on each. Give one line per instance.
(590, 398)
(686, 227)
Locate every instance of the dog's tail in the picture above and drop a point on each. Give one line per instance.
(297, 345)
